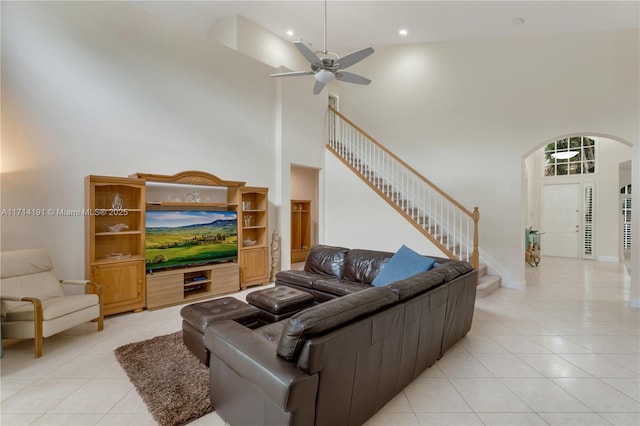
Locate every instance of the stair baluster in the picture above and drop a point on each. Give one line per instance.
(444, 221)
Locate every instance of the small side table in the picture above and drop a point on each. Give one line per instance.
(532, 247)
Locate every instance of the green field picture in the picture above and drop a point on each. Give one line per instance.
(179, 238)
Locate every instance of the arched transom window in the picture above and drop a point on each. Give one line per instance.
(570, 156)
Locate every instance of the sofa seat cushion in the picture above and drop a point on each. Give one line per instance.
(53, 308)
(326, 260)
(329, 315)
(299, 278)
(199, 315)
(416, 284)
(280, 300)
(339, 286)
(403, 264)
(362, 266)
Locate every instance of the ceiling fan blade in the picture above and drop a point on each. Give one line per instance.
(307, 53)
(350, 77)
(292, 74)
(353, 58)
(317, 87)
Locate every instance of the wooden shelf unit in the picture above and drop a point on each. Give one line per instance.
(174, 287)
(253, 233)
(201, 190)
(115, 259)
(300, 230)
(253, 260)
(175, 204)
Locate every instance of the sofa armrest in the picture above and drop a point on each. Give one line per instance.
(253, 357)
(75, 282)
(86, 284)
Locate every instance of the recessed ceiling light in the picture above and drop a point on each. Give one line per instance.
(289, 33)
(403, 32)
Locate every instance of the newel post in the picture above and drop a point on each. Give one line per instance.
(475, 259)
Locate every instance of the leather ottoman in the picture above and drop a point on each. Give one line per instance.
(197, 316)
(279, 302)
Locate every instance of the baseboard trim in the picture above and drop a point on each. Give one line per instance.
(516, 285)
(608, 259)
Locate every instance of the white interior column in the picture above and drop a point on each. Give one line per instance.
(634, 296)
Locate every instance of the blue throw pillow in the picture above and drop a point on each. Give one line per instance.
(403, 264)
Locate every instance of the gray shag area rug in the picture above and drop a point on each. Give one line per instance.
(172, 382)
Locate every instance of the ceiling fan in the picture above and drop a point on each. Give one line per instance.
(326, 66)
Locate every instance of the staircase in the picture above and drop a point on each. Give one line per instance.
(486, 283)
(441, 219)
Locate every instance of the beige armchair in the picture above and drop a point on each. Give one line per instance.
(34, 302)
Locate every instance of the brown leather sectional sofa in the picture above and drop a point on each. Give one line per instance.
(339, 361)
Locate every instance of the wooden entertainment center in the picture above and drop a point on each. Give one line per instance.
(166, 288)
(115, 241)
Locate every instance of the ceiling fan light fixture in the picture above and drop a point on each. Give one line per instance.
(564, 155)
(324, 76)
(328, 66)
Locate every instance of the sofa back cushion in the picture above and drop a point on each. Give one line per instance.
(416, 284)
(326, 260)
(28, 272)
(452, 269)
(24, 262)
(330, 315)
(362, 266)
(403, 264)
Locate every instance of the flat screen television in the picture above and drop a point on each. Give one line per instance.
(180, 238)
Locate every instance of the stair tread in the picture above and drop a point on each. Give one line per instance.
(487, 285)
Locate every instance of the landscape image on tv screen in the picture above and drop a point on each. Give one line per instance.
(183, 237)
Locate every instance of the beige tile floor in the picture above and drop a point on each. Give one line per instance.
(563, 352)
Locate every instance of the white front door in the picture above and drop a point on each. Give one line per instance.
(560, 220)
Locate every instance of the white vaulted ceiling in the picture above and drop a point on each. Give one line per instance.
(355, 24)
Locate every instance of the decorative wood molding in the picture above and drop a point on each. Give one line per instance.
(189, 177)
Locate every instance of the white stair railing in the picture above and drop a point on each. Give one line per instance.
(444, 221)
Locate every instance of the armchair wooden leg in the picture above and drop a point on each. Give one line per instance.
(38, 346)
(39, 340)
(101, 316)
(37, 325)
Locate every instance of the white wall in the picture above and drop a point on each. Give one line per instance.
(466, 114)
(356, 217)
(105, 88)
(301, 138)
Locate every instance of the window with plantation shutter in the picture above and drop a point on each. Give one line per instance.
(587, 236)
(625, 198)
